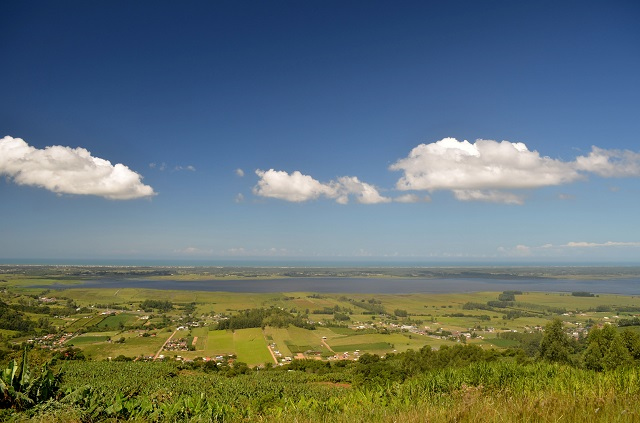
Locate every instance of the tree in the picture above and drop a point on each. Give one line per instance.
(631, 341)
(606, 349)
(555, 345)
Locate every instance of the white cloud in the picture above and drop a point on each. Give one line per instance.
(610, 163)
(411, 198)
(161, 167)
(261, 252)
(363, 192)
(548, 250)
(296, 187)
(239, 172)
(236, 251)
(194, 251)
(519, 251)
(454, 165)
(239, 198)
(491, 196)
(602, 244)
(486, 171)
(482, 171)
(67, 170)
(189, 168)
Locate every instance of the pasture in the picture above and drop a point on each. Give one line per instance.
(407, 321)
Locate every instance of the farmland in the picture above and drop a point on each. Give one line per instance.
(180, 355)
(106, 322)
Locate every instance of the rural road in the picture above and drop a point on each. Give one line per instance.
(275, 360)
(327, 345)
(165, 343)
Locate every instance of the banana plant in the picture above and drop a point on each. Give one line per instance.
(21, 389)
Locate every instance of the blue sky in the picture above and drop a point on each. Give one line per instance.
(418, 131)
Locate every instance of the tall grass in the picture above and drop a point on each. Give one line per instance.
(482, 392)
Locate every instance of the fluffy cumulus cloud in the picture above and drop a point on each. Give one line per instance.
(459, 165)
(487, 170)
(296, 187)
(364, 193)
(68, 170)
(610, 163)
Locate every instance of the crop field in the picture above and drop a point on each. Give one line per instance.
(380, 343)
(495, 357)
(87, 338)
(400, 322)
(219, 342)
(202, 333)
(118, 321)
(8, 332)
(85, 320)
(250, 346)
(133, 345)
(293, 340)
(434, 311)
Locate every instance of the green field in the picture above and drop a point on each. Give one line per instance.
(8, 333)
(373, 333)
(118, 321)
(83, 320)
(250, 346)
(87, 339)
(219, 342)
(489, 379)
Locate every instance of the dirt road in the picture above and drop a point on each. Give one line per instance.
(165, 343)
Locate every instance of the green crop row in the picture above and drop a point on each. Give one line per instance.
(485, 392)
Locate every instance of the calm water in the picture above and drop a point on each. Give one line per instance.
(371, 285)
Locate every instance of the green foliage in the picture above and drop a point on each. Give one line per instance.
(14, 320)
(528, 342)
(427, 384)
(556, 346)
(400, 313)
(476, 306)
(506, 296)
(69, 353)
(161, 306)
(499, 304)
(607, 350)
(341, 317)
(631, 341)
(22, 388)
(634, 321)
(582, 294)
(371, 306)
(260, 317)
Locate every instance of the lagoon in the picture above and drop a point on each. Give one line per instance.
(370, 285)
